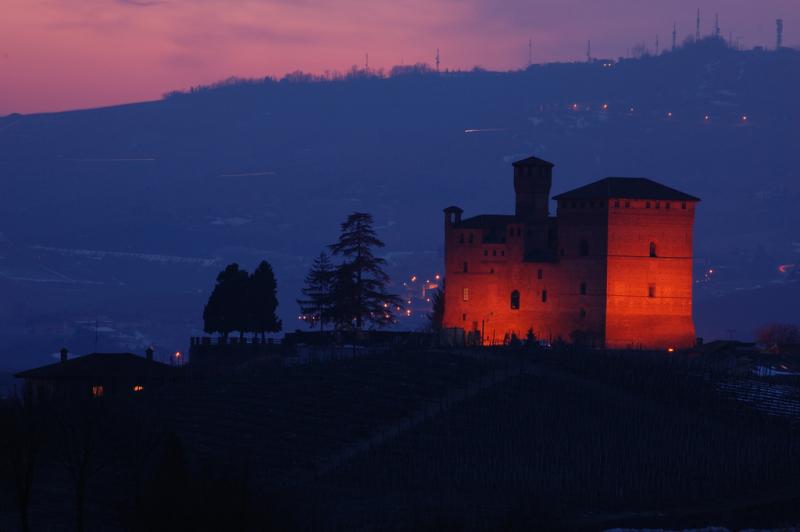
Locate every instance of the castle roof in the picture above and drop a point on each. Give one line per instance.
(97, 365)
(484, 221)
(626, 188)
(532, 161)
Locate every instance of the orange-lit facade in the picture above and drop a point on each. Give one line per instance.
(613, 268)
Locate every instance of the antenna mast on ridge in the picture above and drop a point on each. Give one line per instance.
(716, 25)
(589, 51)
(530, 52)
(657, 45)
(437, 60)
(674, 34)
(779, 33)
(697, 26)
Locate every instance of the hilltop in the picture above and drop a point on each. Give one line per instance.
(128, 212)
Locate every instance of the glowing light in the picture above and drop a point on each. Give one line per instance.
(97, 391)
(605, 107)
(707, 118)
(177, 354)
(437, 277)
(784, 268)
(670, 350)
(138, 388)
(669, 114)
(413, 278)
(631, 109)
(744, 118)
(574, 106)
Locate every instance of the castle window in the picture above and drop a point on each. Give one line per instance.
(494, 253)
(658, 205)
(502, 253)
(471, 238)
(465, 294)
(515, 300)
(491, 270)
(584, 248)
(544, 296)
(98, 390)
(539, 274)
(583, 289)
(647, 205)
(667, 205)
(651, 290)
(583, 313)
(683, 205)
(466, 267)
(627, 204)
(652, 249)
(573, 204)
(463, 317)
(616, 204)
(461, 238)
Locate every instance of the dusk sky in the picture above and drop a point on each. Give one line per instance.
(66, 54)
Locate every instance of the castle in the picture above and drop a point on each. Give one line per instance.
(613, 268)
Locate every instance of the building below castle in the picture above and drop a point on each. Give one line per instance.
(613, 268)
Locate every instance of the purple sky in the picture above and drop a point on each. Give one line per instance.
(65, 54)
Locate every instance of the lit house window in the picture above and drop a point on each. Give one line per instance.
(97, 390)
(138, 388)
(652, 249)
(515, 300)
(465, 294)
(651, 290)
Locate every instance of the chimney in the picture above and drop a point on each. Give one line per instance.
(64, 353)
(149, 353)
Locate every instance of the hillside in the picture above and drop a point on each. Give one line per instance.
(124, 215)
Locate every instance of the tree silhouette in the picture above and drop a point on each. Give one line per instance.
(436, 316)
(262, 299)
(316, 307)
(360, 281)
(226, 310)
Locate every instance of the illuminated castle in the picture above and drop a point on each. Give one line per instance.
(613, 268)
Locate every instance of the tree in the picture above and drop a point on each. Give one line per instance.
(361, 274)
(316, 307)
(226, 310)
(775, 336)
(436, 316)
(22, 429)
(262, 299)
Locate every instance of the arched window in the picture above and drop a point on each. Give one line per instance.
(515, 300)
(652, 249)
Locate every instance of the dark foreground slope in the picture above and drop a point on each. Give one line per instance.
(416, 440)
(125, 214)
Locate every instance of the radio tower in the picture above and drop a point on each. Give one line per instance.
(674, 34)
(697, 26)
(530, 52)
(588, 51)
(716, 25)
(366, 61)
(657, 46)
(437, 60)
(779, 33)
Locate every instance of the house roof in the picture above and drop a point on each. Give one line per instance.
(97, 365)
(532, 161)
(628, 188)
(486, 221)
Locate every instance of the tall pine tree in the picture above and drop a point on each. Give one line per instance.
(262, 301)
(361, 281)
(226, 310)
(316, 305)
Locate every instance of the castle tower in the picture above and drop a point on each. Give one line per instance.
(532, 180)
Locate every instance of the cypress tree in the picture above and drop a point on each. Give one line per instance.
(316, 307)
(262, 299)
